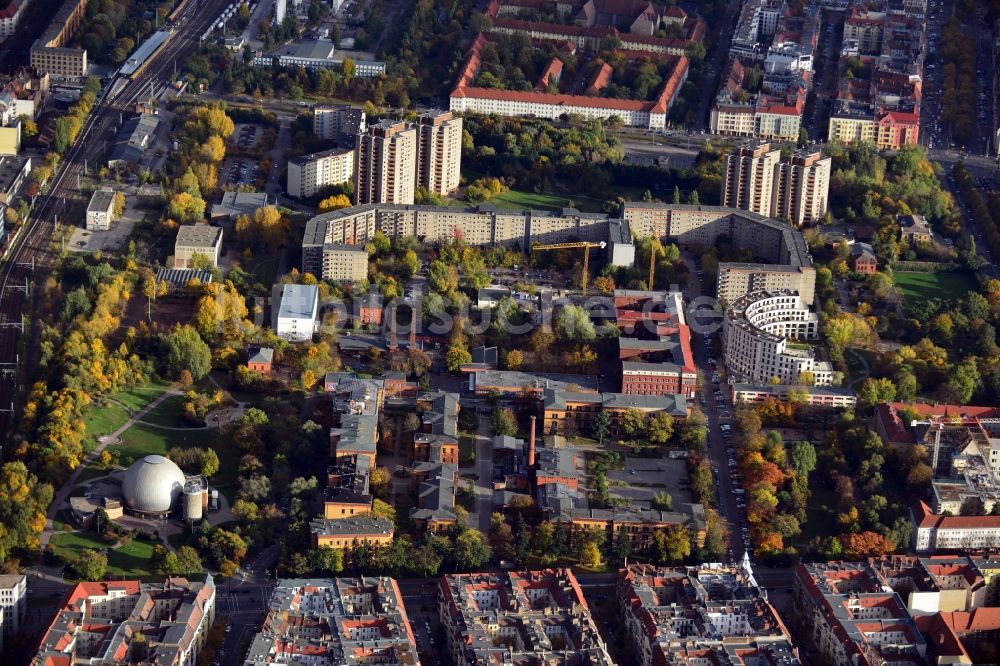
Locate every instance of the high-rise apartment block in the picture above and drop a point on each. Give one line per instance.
(385, 163)
(339, 123)
(393, 158)
(797, 188)
(439, 161)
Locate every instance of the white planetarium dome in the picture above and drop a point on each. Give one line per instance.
(152, 485)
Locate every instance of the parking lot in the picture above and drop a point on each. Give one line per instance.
(246, 136)
(239, 171)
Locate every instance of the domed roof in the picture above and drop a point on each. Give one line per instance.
(152, 484)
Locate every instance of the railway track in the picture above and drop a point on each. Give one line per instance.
(30, 255)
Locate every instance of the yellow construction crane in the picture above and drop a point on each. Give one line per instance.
(586, 246)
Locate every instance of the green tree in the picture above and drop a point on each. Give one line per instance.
(672, 545)
(660, 428)
(632, 422)
(90, 565)
(188, 560)
(572, 323)
(503, 422)
(471, 550)
(501, 537)
(590, 555)
(185, 350)
(209, 463)
(457, 356)
(442, 277)
(876, 391)
(602, 426)
(662, 501)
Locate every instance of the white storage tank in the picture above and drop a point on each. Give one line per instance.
(193, 492)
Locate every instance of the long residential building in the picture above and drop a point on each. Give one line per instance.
(937, 532)
(712, 613)
(757, 179)
(781, 249)
(467, 97)
(335, 622)
(519, 618)
(99, 623)
(50, 53)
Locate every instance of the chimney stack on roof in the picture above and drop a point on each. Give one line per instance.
(531, 444)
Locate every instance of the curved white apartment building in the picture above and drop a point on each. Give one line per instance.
(757, 333)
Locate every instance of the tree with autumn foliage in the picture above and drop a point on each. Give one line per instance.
(865, 544)
(335, 202)
(221, 312)
(23, 503)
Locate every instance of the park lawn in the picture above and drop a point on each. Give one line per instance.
(103, 419)
(168, 413)
(88, 473)
(67, 545)
(918, 287)
(131, 560)
(854, 365)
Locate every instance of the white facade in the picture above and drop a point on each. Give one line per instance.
(756, 332)
(100, 210)
(555, 108)
(309, 173)
(13, 605)
(298, 312)
(10, 16)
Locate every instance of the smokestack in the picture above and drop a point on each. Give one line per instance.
(531, 444)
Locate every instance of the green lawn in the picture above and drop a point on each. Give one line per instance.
(103, 419)
(540, 201)
(918, 287)
(265, 270)
(68, 545)
(168, 413)
(130, 560)
(821, 509)
(466, 450)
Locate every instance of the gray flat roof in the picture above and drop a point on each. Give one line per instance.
(101, 201)
(198, 235)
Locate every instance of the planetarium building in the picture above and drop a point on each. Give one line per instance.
(152, 487)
